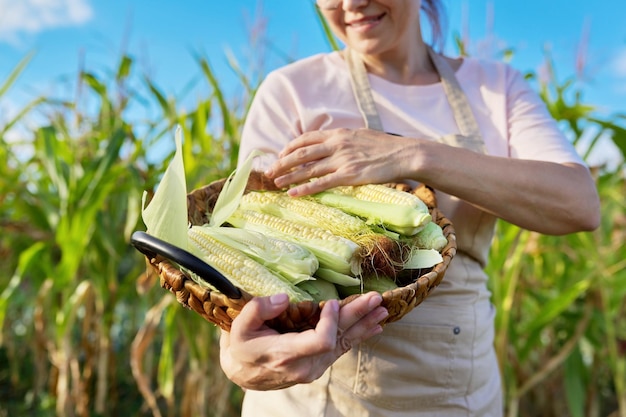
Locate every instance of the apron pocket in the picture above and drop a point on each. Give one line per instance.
(409, 365)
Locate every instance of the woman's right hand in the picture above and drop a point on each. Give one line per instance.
(257, 357)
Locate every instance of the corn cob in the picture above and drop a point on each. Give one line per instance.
(241, 270)
(430, 237)
(382, 194)
(337, 277)
(291, 261)
(392, 209)
(379, 284)
(380, 253)
(332, 251)
(320, 289)
(308, 211)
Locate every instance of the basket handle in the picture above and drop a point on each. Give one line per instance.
(151, 246)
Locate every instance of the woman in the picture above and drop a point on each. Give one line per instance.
(472, 130)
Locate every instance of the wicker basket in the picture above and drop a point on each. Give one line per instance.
(221, 310)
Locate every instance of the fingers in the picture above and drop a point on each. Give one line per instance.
(258, 310)
(257, 357)
(359, 319)
(299, 152)
(368, 327)
(306, 139)
(358, 308)
(315, 170)
(329, 319)
(341, 157)
(224, 340)
(323, 338)
(312, 187)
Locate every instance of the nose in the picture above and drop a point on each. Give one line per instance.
(349, 5)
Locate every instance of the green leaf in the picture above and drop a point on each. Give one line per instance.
(551, 310)
(27, 257)
(94, 83)
(166, 108)
(618, 134)
(15, 73)
(67, 316)
(52, 157)
(166, 215)
(230, 196)
(20, 115)
(574, 384)
(124, 68)
(90, 184)
(217, 92)
(166, 358)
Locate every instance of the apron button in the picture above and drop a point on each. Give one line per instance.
(456, 330)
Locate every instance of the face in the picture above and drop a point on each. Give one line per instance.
(374, 26)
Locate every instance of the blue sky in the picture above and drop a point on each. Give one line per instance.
(163, 35)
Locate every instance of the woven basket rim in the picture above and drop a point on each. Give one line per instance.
(221, 310)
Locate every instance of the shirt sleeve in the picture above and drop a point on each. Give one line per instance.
(533, 132)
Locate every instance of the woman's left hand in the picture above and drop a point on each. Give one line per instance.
(342, 157)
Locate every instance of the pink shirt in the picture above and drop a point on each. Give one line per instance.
(315, 93)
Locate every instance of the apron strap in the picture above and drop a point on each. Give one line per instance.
(463, 115)
(362, 91)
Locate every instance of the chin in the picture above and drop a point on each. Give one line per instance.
(367, 46)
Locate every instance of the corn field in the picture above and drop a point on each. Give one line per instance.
(86, 330)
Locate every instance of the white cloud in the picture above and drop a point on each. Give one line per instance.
(19, 17)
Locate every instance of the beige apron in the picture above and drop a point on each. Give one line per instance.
(439, 359)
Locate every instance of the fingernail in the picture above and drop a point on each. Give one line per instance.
(277, 299)
(332, 304)
(382, 314)
(375, 301)
(269, 173)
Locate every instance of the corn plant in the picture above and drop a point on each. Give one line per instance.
(86, 330)
(558, 299)
(75, 196)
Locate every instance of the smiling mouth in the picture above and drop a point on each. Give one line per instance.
(366, 21)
